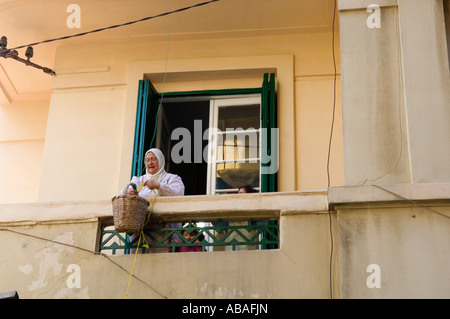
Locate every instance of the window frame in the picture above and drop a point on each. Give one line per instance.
(215, 104)
(148, 108)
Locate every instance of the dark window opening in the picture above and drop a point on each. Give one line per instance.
(176, 114)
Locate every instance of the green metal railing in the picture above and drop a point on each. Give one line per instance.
(259, 234)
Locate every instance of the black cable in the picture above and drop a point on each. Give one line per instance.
(412, 202)
(164, 81)
(117, 25)
(334, 95)
(329, 148)
(85, 250)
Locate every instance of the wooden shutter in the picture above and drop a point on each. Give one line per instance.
(268, 122)
(146, 117)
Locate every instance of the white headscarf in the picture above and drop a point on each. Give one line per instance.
(159, 175)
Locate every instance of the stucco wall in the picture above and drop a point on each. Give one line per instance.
(90, 128)
(395, 93)
(393, 240)
(22, 139)
(37, 268)
(370, 227)
(413, 267)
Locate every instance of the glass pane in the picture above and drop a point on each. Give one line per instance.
(243, 116)
(238, 145)
(233, 175)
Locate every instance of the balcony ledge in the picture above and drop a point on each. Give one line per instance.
(202, 207)
(350, 196)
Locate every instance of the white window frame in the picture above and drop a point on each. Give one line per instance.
(215, 104)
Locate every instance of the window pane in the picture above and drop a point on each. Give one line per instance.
(233, 175)
(238, 145)
(243, 116)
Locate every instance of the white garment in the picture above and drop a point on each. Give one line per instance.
(170, 185)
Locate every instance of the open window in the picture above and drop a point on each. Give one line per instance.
(234, 158)
(215, 140)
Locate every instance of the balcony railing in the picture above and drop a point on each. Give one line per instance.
(218, 222)
(204, 236)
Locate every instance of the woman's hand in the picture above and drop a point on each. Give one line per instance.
(132, 191)
(152, 184)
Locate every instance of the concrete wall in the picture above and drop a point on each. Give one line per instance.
(393, 240)
(395, 93)
(401, 229)
(39, 269)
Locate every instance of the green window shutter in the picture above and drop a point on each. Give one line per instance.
(146, 115)
(268, 122)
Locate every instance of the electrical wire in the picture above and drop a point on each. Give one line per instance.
(167, 56)
(117, 25)
(141, 234)
(164, 80)
(329, 146)
(415, 203)
(401, 101)
(85, 250)
(412, 202)
(334, 95)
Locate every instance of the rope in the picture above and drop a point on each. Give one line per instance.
(141, 233)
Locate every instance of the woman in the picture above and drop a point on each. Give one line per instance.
(155, 182)
(156, 179)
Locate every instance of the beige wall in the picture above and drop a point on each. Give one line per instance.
(81, 154)
(403, 229)
(37, 268)
(314, 104)
(92, 111)
(395, 93)
(22, 138)
(409, 241)
(410, 269)
(86, 120)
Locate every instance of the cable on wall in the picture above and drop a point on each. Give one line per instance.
(164, 80)
(12, 53)
(334, 94)
(330, 143)
(401, 101)
(85, 250)
(431, 210)
(117, 25)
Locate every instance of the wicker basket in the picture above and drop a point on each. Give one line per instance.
(129, 212)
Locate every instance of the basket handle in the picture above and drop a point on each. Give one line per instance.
(128, 186)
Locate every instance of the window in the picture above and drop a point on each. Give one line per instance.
(215, 140)
(234, 159)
